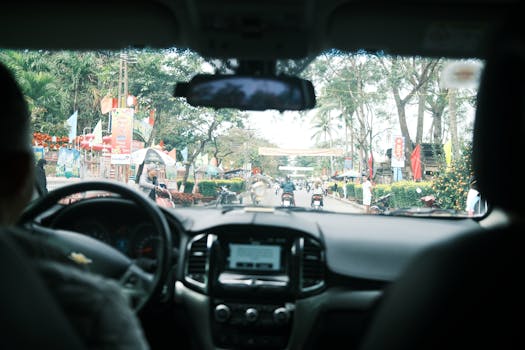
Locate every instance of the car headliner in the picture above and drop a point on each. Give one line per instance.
(253, 29)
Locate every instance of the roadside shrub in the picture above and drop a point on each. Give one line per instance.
(188, 188)
(406, 194)
(208, 188)
(350, 190)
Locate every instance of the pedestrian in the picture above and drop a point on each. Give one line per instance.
(40, 177)
(148, 182)
(473, 197)
(367, 193)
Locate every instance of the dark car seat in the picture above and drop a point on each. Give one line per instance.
(466, 293)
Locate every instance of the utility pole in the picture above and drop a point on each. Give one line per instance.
(122, 172)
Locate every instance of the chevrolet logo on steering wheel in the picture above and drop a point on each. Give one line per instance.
(79, 258)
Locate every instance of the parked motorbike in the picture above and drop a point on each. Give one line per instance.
(380, 204)
(287, 199)
(429, 201)
(317, 201)
(225, 196)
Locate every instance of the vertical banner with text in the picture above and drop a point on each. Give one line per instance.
(398, 152)
(121, 135)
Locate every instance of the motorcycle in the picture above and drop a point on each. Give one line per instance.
(164, 198)
(429, 201)
(257, 192)
(287, 199)
(225, 196)
(380, 204)
(317, 201)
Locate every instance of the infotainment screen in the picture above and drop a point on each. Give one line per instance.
(254, 257)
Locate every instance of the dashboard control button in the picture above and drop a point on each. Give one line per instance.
(281, 316)
(222, 313)
(251, 314)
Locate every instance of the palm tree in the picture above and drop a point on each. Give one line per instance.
(324, 128)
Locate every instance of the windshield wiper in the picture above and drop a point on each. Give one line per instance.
(422, 212)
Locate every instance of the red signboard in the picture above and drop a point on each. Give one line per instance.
(121, 135)
(398, 152)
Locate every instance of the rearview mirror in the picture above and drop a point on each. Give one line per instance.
(243, 92)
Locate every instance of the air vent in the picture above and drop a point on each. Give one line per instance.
(312, 265)
(197, 263)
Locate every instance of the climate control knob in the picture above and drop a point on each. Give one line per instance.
(251, 314)
(281, 316)
(222, 313)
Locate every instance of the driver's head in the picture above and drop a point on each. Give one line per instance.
(16, 187)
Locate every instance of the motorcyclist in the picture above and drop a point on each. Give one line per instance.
(257, 192)
(317, 191)
(289, 187)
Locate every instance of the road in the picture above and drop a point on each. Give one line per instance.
(303, 199)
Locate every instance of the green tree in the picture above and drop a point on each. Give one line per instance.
(452, 184)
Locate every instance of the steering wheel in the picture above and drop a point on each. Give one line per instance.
(136, 283)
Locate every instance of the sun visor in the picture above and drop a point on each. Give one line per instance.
(87, 25)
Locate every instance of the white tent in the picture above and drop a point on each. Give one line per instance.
(349, 173)
(151, 155)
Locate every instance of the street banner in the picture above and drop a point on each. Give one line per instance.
(72, 124)
(97, 132)
(38, 152)
(398, 152)
(121, 135)
(68, 163)
(348, 163)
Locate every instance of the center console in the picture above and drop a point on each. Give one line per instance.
(251, 269)
(253, 280)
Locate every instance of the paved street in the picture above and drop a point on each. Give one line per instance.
(303, 199)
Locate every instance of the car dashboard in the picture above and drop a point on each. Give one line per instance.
(263, 278)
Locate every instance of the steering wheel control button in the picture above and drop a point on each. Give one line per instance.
(251, 315)
(222, 313)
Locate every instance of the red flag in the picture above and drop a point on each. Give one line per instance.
(106, 104)
(371, 166)
(152, 117)
(415, 163)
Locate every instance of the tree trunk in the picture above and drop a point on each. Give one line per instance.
(421, 114)
(156, 127)
(453, 123)
(400, 105)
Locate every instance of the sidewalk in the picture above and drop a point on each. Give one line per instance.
(347, 201)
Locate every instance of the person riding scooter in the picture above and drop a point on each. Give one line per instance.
(257, 192)
(317, 196)
(288, 191)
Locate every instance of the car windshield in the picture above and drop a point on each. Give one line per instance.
(388, 135)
